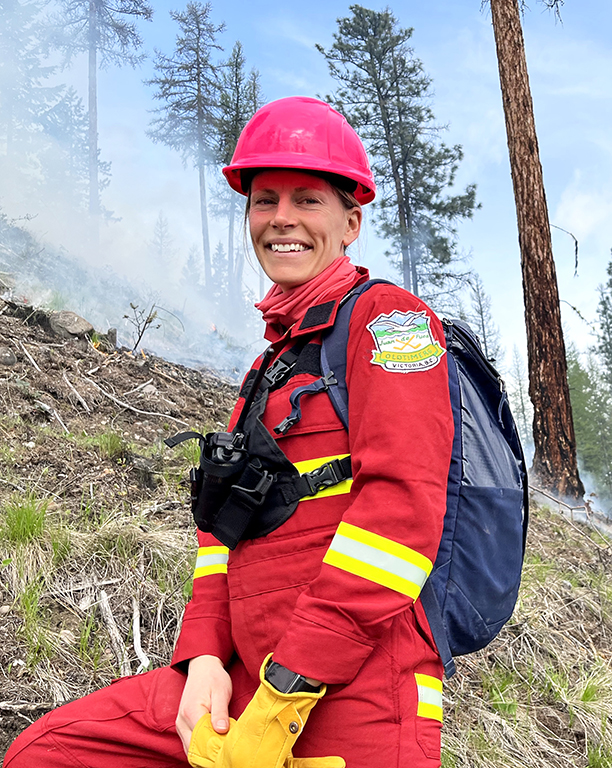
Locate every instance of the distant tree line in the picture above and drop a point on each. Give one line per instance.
(590, 382)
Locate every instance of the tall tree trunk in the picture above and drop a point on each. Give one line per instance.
(406, 263)
(413, 260)
(232, 275)
(94, 191)
(554, 462)
(204, 219)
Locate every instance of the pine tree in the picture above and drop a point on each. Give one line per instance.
(519, 398)
(162, 245)
(187, 85)
(240, 97)
(482, 321)
(218, 285)
(384, 93)
(65, 158)
(23, 95)
(106, 32)
(191, 274)
(591, 407)
(554, 461)
(604, 335)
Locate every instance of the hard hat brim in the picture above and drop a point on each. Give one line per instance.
(364, 193)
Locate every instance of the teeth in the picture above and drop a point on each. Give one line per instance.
(287, 247)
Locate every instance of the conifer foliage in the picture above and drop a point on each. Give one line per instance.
(187, 87)
(107, 32)
(604, 337)
(43, 127)
(384, 93)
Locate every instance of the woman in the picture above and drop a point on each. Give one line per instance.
(309, 633)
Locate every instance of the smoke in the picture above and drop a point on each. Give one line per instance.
(47, 243)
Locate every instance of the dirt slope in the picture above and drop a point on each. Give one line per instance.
(91, 501)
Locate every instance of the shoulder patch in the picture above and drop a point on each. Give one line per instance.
(404, 342)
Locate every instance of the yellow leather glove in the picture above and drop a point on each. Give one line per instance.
(206, 744)
(263, 736)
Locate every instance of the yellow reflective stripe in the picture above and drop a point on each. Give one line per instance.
(430, 697)
(211, 560)
(335, 490)
(208, 570)
(378, 559)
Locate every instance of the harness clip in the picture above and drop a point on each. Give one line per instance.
(264, 485)
(322, 477)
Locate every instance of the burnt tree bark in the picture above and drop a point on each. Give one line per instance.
(554, 464)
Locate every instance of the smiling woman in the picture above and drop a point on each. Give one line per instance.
(305, 636)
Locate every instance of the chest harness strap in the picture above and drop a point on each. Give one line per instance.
(245, 486)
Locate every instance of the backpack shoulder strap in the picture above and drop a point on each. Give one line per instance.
(333, 349)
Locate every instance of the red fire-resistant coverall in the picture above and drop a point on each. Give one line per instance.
(332, 592)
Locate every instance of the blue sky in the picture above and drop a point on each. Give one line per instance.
(570, 66)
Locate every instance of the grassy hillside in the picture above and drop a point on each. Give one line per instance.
(97, 549)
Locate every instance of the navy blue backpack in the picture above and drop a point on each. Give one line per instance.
(473, 587)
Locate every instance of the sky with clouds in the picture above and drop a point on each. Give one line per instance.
(570, 64)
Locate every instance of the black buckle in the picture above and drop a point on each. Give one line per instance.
(277, 371)
(256, 495)
(323, 477)
(264, 485)
(285, 425)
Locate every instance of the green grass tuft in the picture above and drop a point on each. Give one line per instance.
(24, 518)
(110, 445)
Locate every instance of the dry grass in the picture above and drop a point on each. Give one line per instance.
(53, 583)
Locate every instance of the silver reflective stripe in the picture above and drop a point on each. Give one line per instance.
(379, 559)
(205, 560)
(211, 560)
(430, 696)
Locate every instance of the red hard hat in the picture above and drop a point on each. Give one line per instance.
(304, 134)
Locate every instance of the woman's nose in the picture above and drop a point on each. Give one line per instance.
(284, 214)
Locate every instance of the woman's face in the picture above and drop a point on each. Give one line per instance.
(298, 225)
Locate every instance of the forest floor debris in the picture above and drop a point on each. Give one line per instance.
(96, 539)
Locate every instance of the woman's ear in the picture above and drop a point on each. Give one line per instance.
(353, 225)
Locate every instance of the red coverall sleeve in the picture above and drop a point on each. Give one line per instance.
(400, 436)
(206, 623)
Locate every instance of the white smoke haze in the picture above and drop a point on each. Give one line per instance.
(55, 261)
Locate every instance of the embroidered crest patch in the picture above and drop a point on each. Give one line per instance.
(404, 342)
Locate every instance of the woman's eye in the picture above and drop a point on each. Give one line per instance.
(310, 200)
(264, 201)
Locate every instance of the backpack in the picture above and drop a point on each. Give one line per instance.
(472, 589)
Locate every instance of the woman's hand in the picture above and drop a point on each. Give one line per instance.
(208, 690)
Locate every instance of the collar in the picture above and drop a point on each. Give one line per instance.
(322, 316)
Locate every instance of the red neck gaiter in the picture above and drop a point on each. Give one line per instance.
(282, 309)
